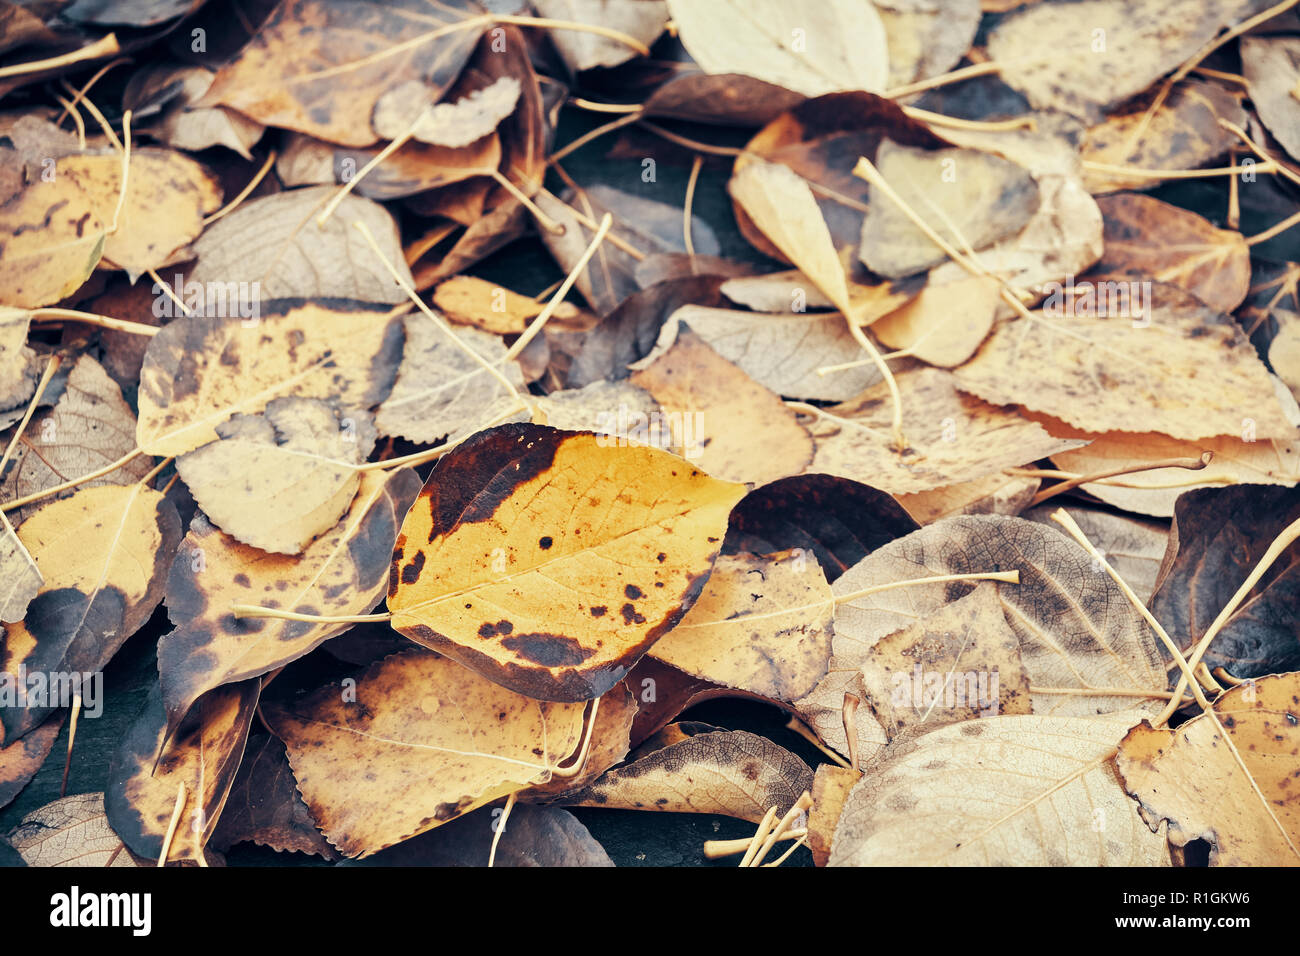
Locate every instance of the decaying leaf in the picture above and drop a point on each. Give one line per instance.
(1269, 64)
(278, 479)
(1002, 791)
(837, 45)
(440, 388)
(315, 66)
(1091, 364)
(706, 399)
(53, 238)
(1134, 547)
(102, 554)
(72, 831)
(199, 372)
(417, 740)
(490, 307)
(953, 437)
(704, 770)
(1227, 776)
(761, 624)
(345, 571)
(22, 578)
(20, 759)
(146, 773)
(539, 557)
(453, 125)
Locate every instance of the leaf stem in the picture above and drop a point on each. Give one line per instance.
(550, 24)
(253, 610)
(51, 367)
(105, 46)
(1191, 464)
(90, 318)
(1007, 577)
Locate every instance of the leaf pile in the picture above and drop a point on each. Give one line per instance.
(849, 299)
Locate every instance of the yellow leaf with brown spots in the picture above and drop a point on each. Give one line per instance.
(103, 553)
(345, 571)
(549, 561)
(167, 197)
(144, 777)
(199, 371)
(51, 239)
(417, 741)
(1230, 776)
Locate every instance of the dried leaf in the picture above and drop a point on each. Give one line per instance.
(278, 479)
(1004, 791)
(761, 624)
(1269, 64)
(706, 399)
(200, 372)
(53, 239)
(838, 45)
(454, 125)
(343, 572)
(1093, 371)
(1239, 797)
(533, 556)
(643, 20)
(144, 775)
(415, 741)
(72, 831)
(317, 65)
(20, 760)
(729, 772)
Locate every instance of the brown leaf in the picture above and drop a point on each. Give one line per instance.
(1151, 239)
(953, 437)
(1226, 776)
(706, 399)
(72, 831)
(317, 65)
(1092, 371)
(20, 760)
(1269, 64)
(491, 307)
(454, 125)
(761, 624)
(415, 741)
(642, 19)
(729, 772)
(145, 775)
(200, 372)
(343, 572)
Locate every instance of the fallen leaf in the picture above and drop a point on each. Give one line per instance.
(1183, 134)
(1081, 58)
(167, 197)
(1239, 796)
(533, 556)
(611, 738)
(944, 324)
(278, 479)
(343, 572)
(200, 372)
(729, 772)
(20, 759)
(72, 831)
(530, 837)
(761, 624)
(22, 578)
(831, 787)
(1148, 238)
(960, 663)
(781, 352)
(839, 45)
(440, 389)
(1009, 791)
(146, 772)
(643, 20)
(1218, 536)
(173, 90)
(102, 554)
(414, 741)
(836, 521)
(89, 427)
(491, 307)
(52, 239)
(996, 494)
(316, 65)
(1091, 371)
(272, 248)
(1134, 547)
(454, 125)
(264, 806)
(952, 436)
(705, 399)
(1269, 65)
(964, 193)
